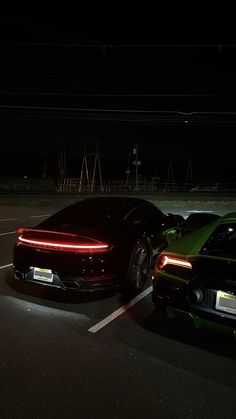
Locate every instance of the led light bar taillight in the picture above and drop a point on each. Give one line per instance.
(84, 246)
(169, 260)
(34, 230)
(62, 245)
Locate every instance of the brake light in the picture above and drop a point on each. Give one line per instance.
(168, 260)
(70, 242)
(34, 230)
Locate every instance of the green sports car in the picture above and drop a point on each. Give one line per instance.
(196, 275)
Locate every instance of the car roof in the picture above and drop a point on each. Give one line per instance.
(113, 199)
(99, 209)
(230, 215)
(116, 203)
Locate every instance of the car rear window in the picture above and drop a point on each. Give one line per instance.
(222, 241)
(87, 215)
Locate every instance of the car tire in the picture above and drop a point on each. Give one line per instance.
(138, 267)
(159, 305)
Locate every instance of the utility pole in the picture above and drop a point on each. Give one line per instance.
(128, 172)
(84, 168)
(45, 170)
(170, 176)
(62, 164)
(97, 163)
(136, 163)
(189, 171)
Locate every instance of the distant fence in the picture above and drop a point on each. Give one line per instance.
(27, 185)
(73, 185)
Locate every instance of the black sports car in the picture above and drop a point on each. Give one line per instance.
(94, 244)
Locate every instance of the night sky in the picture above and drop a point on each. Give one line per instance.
(69, 85)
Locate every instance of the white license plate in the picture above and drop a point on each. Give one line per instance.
(226, 302)
(41, 274)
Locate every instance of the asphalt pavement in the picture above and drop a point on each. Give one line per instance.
(102, 355)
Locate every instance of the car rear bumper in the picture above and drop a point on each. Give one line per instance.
(171, 295)
(69, 282)
(199, 314)
(203, 321)
(70, 270)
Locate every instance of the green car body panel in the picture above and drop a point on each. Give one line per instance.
(205, 275)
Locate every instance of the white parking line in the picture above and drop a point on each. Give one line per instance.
(30, 216)
(38, 216)
(9, 219)
(119, 311)
(197, 211)
(9, 232)
(6, 266)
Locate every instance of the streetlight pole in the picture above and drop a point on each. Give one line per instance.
(136, 168)
(136, 163)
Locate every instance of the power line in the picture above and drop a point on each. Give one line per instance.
(126, 111)
(106, 45)
(110, 94)
(161, 117)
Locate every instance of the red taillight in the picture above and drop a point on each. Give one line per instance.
(169, 260)
(34, 230)
(71, 242)
(20, 230)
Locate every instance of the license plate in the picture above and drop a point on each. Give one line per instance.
(41, 274)
(226, 302)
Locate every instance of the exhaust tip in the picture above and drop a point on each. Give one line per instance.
(72, 284)
(194, 296)
(19, 275)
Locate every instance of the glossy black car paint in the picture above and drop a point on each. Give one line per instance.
(133, 228)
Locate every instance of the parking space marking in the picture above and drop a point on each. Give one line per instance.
(30, 216)
(198, 211)
(6, 266)
(9, 219)
(119, 311)
(38, 216)
(9, 232)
